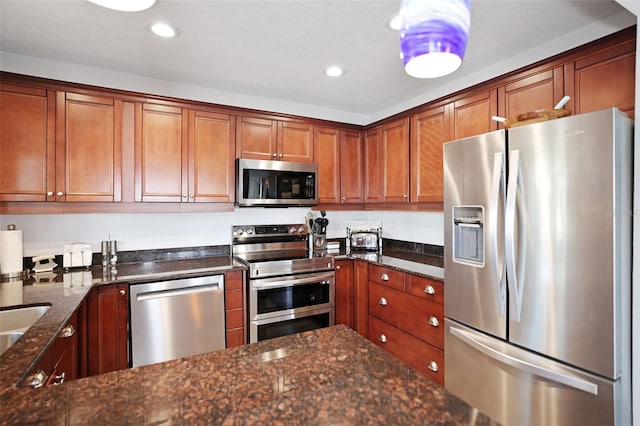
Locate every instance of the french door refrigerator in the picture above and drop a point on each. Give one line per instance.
(538, 271)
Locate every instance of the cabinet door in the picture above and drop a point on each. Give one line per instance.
(429, 131)
(372, 166)
(395, 161)
(66, 350)
(605, 79)
(256, 138)
(88, 148)
(108, 311)
(327, 155)
(541, 90)
(351, 163)
(161, 154)
(211, 157)
(472, 114)
(27, 143)
(361, 303)
(295, 142)
(345, 293)
(234, 297)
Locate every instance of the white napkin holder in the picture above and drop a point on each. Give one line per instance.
(77, 255)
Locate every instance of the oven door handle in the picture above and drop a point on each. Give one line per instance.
(323, 279)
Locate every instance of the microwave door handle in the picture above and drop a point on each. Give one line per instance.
(511, 211)
(497, 197)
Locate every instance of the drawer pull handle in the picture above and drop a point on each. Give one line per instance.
(433, 366)
(433, 321)
(382, 301)
(68, 331)
(36, 380)
(122, 292)
(59, 379)
(429, 289)
(382, 338)
(384, 277)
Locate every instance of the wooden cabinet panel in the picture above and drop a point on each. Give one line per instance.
(108, 312)
(211, 157)
(257, 138)
(234, 299)
(395, 161)
(295, 142)
(161, 166)
(418, 317)
(426, 288)
(472, 114)
(387, 276)
(351, 163)
(605, 79)
(429, 131)
(89, 148)
(372, 166)
(541, 90)
(361, 288)
(27, 143)
(345, 293)
(419, 355)
(327, 157)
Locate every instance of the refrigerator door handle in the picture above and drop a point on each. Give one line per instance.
(555, 376)
(497, 195)
(515, 288)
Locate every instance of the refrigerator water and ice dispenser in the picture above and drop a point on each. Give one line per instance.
(468, 235)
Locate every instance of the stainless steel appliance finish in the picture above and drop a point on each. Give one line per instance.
(538, 270)
(290, 288)
(364, 236)
(173, 319)
(275, 183)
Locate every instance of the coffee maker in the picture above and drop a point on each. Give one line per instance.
(318, 236)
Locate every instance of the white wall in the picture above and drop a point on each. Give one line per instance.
(47, 233)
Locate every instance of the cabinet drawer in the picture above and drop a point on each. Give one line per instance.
(418, 317)
(426, 288)
(386, 276)
(423, 357)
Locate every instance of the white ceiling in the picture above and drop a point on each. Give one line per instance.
(271, 55)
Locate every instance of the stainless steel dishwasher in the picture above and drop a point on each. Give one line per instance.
(176, 318)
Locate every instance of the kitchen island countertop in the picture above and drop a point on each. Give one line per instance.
(326, 376)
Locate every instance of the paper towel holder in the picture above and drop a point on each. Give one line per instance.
(12, 271)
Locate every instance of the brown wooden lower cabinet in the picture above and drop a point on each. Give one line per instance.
(345, 293)
(234, 308)
(60, 361)
(107, 329)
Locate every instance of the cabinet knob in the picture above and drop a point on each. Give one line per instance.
(192, 196)
(382, 338)
(50, 194)
(338, 267)
(429, 289)
(433, 321)
(433, 366)
(281, 156)
(68, 331)
(122, 292)
(60, 193)
(274, 155)
(59, 379)
(36, 380)
(384, 277)
(184, 196)
(382, 301)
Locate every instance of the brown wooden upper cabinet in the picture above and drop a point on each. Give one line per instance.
(373, 165)
(540, 90)
(395, 161)
(265, 139)
(339, 156)
(472, 114)
(183, 155)
(27, 143)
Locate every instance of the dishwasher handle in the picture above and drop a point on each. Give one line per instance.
(173, 292)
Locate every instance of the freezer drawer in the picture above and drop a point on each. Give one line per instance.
(517, 387)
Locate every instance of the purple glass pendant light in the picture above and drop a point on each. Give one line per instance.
(433, 36)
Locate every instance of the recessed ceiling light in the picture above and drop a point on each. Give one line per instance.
(394, 23)
(164, 30)
(125, 5)
(334, 71)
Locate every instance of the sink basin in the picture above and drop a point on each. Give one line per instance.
(16, 321)
(20, 319)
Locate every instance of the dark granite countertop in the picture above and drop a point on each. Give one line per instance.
(326, 376)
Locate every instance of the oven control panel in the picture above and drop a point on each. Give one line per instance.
(271, 231)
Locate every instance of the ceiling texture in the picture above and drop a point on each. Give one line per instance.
(271, 55)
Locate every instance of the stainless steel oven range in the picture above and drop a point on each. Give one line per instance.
(290, 288)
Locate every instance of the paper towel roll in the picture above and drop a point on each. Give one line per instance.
(11, 252)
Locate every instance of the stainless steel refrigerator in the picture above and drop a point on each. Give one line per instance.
(538, 271)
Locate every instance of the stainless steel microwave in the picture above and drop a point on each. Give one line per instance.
(266, 183)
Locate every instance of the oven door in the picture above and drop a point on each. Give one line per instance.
(285, 325)
(291, 294)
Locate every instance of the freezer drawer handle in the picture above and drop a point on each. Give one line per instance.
(382, 301)
(433, 321)
(565, 379)
(382, 338)
(384, 277)
(433, 366)
(429, 289)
